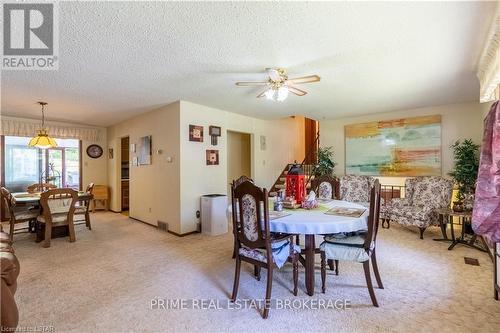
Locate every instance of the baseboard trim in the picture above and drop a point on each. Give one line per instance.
(182, 235)
(146, 223)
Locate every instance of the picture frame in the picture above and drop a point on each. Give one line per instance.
(144, 150)
(214, 132)
(212, 157)
(262, 142)
(196, 133)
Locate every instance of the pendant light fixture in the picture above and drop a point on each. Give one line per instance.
(42, 140)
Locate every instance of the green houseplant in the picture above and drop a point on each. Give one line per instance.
(325, 165)
(466, 156)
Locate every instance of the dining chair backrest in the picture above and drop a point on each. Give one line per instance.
(42, 187)
(8, 200)
(326, 187)
(250, 215)
(90, 188)
(241, 180)
(373, 218)
(59, 201)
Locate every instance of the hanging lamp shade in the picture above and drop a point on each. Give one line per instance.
(42, 140)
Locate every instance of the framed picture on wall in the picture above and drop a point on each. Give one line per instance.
(405, 147)
(212, 157)
(262, 142)
(196, 133)
(144, 151)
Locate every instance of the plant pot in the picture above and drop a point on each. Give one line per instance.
(458, 206)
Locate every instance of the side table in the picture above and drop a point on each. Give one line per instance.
(465, 219)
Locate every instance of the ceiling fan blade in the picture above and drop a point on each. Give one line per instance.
(274, 75)
(254, 83)
(262, 94)
(305, 79)
(297, 91)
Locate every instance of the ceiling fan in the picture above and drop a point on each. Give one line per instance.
(279, 85)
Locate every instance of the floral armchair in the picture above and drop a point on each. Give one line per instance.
(356, 188)
(423, 197)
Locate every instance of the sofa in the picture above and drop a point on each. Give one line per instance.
(10, 271)
(424, 196)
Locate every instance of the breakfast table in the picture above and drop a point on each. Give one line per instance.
(316, 221)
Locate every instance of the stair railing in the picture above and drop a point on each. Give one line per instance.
(310, 161)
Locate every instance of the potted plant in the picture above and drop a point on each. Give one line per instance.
(325, 164)
(466, 156)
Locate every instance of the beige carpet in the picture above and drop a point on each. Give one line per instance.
(105, 281)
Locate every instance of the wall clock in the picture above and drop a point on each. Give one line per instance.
(94, 151)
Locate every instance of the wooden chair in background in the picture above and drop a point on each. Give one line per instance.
(326, 187)
(357, 248)
(58, 206)
(101, 195)
(83, 207)
(17, 215)
(40, 187)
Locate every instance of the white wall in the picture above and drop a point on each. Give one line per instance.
(458, 121)
(154, 189)
(284, 139)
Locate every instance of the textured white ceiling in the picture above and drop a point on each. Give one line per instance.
(119, 59)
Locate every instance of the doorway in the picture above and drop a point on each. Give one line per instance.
(125, 175)
(311, 144)
(239, 156)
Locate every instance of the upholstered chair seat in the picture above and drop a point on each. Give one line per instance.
(27, 215)
(280, 249)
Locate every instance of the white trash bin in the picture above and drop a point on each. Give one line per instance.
(213, 214)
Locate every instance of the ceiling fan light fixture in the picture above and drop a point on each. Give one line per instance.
(282, 93)
(269, 94)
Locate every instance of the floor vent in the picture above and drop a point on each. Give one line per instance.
(471, 261)
(163, 226)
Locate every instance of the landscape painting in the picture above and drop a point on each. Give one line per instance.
(400, 147)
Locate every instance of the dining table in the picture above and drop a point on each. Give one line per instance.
(26, 198)
(316, 221)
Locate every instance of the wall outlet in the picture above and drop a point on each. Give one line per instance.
(198, 214)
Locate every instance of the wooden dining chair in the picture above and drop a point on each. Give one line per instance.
(17, 214)
(254, 241)
(358, 247)
(326, 187)
(58, 208)
(82, 208)
(236, 183)
(42, 187)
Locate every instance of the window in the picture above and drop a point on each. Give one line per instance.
(25, 165)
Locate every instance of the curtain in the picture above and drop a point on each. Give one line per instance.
(486, 213)
(20, 127)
